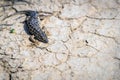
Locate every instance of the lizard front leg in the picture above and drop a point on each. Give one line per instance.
(31, 38)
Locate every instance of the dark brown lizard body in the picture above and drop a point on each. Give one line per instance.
(34, 26)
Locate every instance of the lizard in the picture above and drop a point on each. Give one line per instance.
(33, 25)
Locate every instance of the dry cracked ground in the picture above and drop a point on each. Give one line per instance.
(84, 41)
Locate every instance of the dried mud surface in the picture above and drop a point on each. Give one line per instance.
(84, 41)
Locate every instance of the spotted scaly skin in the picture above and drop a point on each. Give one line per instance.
(34, 26)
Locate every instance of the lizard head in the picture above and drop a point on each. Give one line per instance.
(42, 37)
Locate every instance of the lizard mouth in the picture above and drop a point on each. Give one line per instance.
(45, 41)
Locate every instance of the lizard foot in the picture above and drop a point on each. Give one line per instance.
(31, 38)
